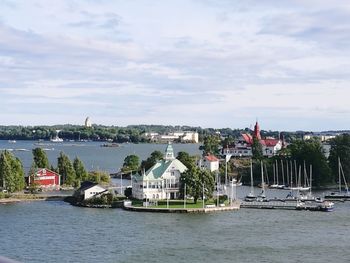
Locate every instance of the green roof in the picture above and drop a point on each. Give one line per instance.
(157, 170)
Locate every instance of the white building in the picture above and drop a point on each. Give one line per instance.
(210, 162)
(89, 189)
(320, 136)
(161, 181)
(183, 136)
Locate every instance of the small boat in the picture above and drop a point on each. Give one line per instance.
(11, 141)
(56, 139)
(327, 206)
(110, 145)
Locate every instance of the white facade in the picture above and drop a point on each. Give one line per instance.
(92, 191)
(184, 136)
(161, 181)
(271, 150)
(210, 163)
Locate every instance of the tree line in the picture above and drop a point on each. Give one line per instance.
(131, 133)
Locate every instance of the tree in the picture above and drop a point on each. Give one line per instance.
(40, 158)
(80, 172)
(257, 149)
(311, 152)
(195, 179)
(99, 177)
(66, 170)
(340, 148)
(186, 159)
(11, 172)
(131, 163)
(211, 145)
(152, 160)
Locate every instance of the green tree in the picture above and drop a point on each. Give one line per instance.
(80, 172)
(311, 152)
(152, 160)
(211, 145)
(340, 148)
(99, 177)
(66, 170)
(257, 149)
(186, 159)
(131, 163)
(40, 158)
(11, 172)
(196, 179)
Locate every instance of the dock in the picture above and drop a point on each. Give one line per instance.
(289, 205)
(269, 205)
(235, 206)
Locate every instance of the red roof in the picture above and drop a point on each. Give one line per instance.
(269, 142)
(211, 158)
(248, 138)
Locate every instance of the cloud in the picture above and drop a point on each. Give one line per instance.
(221, 64)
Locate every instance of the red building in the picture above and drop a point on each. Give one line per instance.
(46, 179)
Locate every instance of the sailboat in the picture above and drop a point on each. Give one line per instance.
(262, 197)
(251, 197)
(340, 195)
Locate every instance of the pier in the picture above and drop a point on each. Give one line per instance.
(289, 205)
(235, 206)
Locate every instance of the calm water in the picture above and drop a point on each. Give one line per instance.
(57, 232)
(91, 153)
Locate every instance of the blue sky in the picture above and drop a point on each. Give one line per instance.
(186, 62)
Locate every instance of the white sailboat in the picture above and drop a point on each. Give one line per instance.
(251, 196)
(56, 138)
(340, 194)
(262, 197)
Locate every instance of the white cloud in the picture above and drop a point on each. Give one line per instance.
(208, 63)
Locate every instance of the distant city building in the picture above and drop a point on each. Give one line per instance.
(322, 137)
(242, 147)
(183, 136)
(161, 181)
(88, 122)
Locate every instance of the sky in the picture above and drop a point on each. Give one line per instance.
(201, 63)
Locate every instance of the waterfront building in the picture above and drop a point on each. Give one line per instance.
(45, 179)
(89, 189)
(209, 162)
(242, 147)
(161, 181)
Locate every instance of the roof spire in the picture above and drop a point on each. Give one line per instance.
(169, 152)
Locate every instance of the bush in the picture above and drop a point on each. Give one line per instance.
(222, 199)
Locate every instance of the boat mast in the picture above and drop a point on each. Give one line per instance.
(282, 172)
(342, 172)
(291, 173)
(305, 174)
(262, 179)
(310, 179)
(339, 174)
(277, 173)
(251, 177)
(287, 173)
(274, 174)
